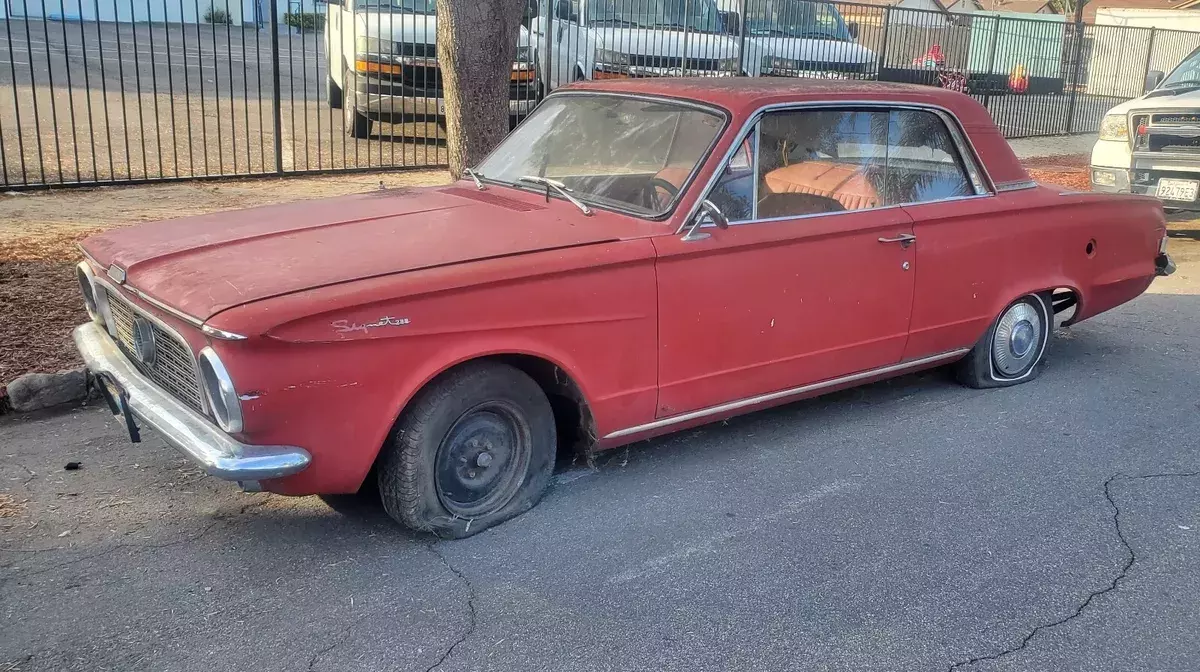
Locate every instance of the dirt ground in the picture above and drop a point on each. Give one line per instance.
(39, 297)
(38, 233)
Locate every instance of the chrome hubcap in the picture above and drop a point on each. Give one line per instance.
(1017, 341)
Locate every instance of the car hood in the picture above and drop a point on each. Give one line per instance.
(406, 27)
(206, 264)
(1189, 100)
(647, 42)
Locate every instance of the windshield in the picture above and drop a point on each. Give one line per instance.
(1187, 72)
(611, 151)
(406, 6)
(794, 18)
(697, 15)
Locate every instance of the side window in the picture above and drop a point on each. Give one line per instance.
(734, 190)
(819, 161)
(922, 162)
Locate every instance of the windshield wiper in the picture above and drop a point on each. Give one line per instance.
(475, 176)
(560, 188)
(1182, 82)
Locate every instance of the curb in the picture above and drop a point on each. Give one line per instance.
(38, 391)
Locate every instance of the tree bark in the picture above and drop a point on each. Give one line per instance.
(476, 44)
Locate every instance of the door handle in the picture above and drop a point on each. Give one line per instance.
(905, 239)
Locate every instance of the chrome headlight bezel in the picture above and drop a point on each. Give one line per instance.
(1114, 127)
(87, 287)
(219, 391)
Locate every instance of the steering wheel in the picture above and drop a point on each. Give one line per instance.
(651, 194)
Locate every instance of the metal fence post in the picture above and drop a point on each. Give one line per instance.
(887, 22)
(546, 18)
(275, 112)
(1149, 54)
(742, 39)
(1077, 58)
(987, 96)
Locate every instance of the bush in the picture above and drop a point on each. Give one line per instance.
(214, 15)
(305, 21)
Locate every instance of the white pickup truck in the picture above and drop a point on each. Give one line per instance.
(382, 62)
(1151, 145)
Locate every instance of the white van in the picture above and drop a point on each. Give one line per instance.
(383, 64)
(799, 38)
(1151, 145)
(606, 39)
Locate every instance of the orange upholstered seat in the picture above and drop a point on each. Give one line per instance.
(846, 183)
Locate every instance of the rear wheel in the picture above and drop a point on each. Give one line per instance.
(358, 125)
(1012, 349)
(474, 449)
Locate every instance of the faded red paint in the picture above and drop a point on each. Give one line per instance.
(646, 325)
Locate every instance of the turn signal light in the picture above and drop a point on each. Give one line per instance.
(376, 66)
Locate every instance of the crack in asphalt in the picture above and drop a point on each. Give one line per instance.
(470, 606)
(1113, 584)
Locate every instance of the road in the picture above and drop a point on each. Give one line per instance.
(909, 525)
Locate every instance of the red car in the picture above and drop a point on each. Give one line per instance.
(638, 257)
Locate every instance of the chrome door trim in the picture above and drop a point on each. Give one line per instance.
(961, 140)
(784, 394)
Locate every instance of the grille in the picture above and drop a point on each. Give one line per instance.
(174, 368)
(1163, 142)
(674, 62)
(1178, 118)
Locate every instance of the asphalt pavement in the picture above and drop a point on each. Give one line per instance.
(909, 525)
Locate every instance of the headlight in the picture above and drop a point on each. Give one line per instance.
(83, 273)
(776, 63)
(728, 64)
(611, 57)
(524, 54)
(1114, 127)
(219, 390)
(374, 45)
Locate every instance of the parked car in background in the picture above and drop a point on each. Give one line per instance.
(637, 258)
(617, 39)
(382, 65)
(1151, 145)
(798, 38)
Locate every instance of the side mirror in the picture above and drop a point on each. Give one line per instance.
(709, 214)
(562, 11)
(731, 23)
(1153, 79)
(852, 28)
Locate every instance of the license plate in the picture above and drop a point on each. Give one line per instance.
(1177, 190)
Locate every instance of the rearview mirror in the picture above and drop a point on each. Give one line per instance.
(562, 10)
(709, 213)
(731, 23)
(852, 28)
(1153, 79)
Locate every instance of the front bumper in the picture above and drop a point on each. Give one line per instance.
(218, 453)
(1163, 265)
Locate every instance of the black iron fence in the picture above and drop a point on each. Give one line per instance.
(118, 91)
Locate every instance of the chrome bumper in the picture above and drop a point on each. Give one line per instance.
(196, 436)
(384, 105)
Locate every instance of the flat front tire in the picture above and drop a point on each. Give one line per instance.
(1013, 348)
(473, 449)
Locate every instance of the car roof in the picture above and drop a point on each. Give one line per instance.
(742, 95)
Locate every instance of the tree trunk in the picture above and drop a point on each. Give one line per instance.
(476, 45)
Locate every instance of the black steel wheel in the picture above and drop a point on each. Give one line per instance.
(1012, 349)
(473, 449)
